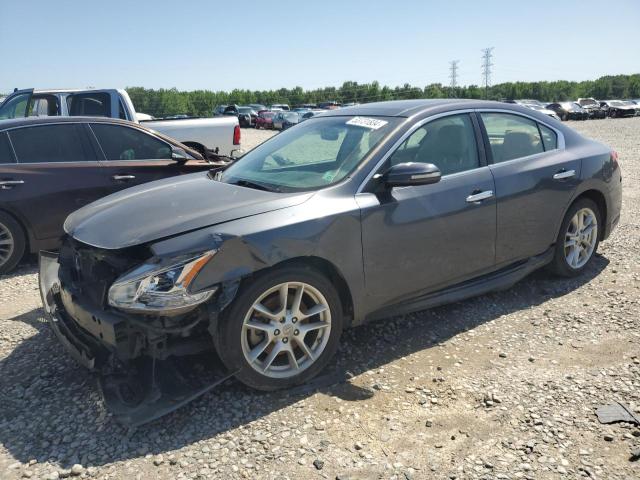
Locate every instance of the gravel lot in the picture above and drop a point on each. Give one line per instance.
(500, 386)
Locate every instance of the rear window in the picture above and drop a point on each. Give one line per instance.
(50, 143)
(6, 154)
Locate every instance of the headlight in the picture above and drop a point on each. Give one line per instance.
(160, 289)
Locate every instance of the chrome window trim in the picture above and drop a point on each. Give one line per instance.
(17, 162)
(560, 146)
(88, 123)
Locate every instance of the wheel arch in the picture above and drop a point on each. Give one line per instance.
(30, 240)
(600, 200)
(332, 272)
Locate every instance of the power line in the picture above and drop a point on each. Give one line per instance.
(486, 69)
(453, 76)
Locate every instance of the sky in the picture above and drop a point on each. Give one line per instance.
(222, 45)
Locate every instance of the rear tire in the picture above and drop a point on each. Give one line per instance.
(578, 239)
(12, 243)
(271, 347)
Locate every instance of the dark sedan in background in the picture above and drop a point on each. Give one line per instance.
(569, 111)
(354, 215)
(50, 167)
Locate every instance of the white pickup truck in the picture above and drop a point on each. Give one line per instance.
(211, 137)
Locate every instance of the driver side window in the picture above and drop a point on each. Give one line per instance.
(447, 142)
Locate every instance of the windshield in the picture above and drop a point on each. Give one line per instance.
(587, 101)
(245, 110)
(616, 103)
(313, 155)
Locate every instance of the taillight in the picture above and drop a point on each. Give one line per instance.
(236, 135)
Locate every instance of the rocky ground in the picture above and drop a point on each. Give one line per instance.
(500, 386)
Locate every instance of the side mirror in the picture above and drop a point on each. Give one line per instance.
(412, 173)
(179, 155)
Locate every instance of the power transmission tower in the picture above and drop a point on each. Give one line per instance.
(453, 76)
(486, 69)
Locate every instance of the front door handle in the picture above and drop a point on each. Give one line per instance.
(123, 177)
(562, 174)
(9, 184)
(480, 196)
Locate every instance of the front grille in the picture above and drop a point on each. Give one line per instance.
(88, 272)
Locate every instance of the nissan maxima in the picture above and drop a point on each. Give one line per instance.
(355, 215)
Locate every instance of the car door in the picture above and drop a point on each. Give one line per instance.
(535, 179)
(57, 172)
(419, 239)
(133, 156)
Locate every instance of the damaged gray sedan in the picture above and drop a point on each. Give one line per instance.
(166, 289)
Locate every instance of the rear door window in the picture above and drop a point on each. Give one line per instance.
(6, 153)
(51, 143)
(511, 136)
(94, 104)
(119, 142)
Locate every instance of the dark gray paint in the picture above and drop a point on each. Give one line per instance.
(387, 246)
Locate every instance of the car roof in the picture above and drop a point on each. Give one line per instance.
(409, 108)
(29, 121)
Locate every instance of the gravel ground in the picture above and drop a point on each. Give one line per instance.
(500, 386)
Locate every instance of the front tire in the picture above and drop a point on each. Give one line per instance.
(282, 329)
(12, 243)
(578, 239)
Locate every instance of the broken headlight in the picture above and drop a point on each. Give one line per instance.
(162, 289)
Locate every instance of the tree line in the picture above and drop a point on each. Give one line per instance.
(164, 102)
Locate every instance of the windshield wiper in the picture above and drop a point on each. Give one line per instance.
(255, 185)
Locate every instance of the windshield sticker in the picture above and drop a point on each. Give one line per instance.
(366, 122)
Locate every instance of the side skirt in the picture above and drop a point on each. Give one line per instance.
(499, 280)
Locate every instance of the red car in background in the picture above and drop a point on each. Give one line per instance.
(265, 119)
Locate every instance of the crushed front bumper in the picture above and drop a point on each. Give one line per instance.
(136, 391)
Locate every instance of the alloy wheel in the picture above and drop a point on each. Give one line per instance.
(286, 330)
(7, 244)
(580, 238)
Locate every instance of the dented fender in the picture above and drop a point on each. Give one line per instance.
(249, 245)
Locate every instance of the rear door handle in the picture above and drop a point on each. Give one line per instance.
(9, 184)
(564, 174)
(480, 196)
(123, 177)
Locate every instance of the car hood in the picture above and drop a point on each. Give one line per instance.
(169, 207)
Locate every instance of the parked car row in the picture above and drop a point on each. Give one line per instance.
(584, 108)
(279, 116)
